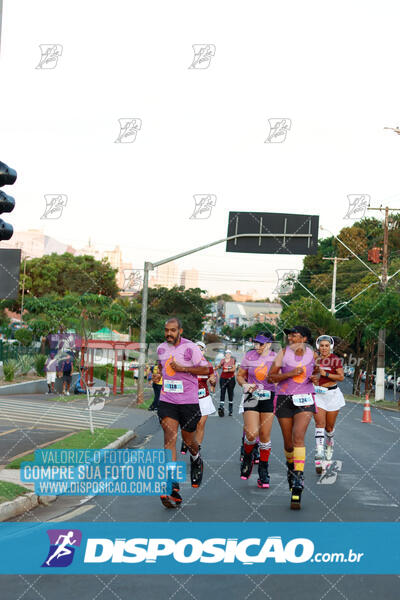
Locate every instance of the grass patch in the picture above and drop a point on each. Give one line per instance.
(82, 439)
(381, 404)
(147, 400)
(21, 379)
(9, 491)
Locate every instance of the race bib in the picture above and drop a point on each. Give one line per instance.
(320, 390)
(173, 386)
(202, 392)
(262, 394)
(302, 399)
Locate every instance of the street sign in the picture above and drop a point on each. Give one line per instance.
(10, 261)
(273, 233)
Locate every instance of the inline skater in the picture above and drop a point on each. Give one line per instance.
(328, 397)
(227, 381)
(295, 402)
(257, 406)
(205, 401)
(180, 361)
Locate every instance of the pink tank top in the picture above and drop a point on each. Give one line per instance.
(300, 384)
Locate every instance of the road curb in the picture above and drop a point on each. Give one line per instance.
(361, 403)
(26, 502)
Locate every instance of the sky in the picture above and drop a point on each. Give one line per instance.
(329, 69)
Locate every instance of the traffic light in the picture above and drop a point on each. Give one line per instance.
(8, 176)
(375, 255)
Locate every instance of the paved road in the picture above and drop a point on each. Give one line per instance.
(366, 489)
(26, 422)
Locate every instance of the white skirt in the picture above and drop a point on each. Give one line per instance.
(331, 400)
(206, 406)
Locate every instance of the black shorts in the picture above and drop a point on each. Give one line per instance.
(67, 378)
(187, 415)
(285, 409)
(260, 406)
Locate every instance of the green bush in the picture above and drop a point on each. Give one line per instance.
(24, 336)
(39, 362)
(25, 364)
(100, 372)
(9, 369)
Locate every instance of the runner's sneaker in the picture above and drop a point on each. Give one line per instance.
(247, 466)
(184, 448)
(297, 488)
(196, 471)
(263, 476)
(221, 411)
(329, 450)
(319, 457)
(290, 474)
(174, 499)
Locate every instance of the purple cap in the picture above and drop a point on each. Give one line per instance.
(262, 339)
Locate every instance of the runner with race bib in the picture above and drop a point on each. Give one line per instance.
(328, 398)
(205, 401)
(257, 406)
(295, 402)
(180, 361)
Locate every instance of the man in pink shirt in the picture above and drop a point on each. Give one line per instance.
(180, 361)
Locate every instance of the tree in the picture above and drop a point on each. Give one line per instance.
(188, 305)
(64, 273)
(24, 336)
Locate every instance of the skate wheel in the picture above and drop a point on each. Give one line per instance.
(170, 502)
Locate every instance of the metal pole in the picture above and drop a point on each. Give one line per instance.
(143, 327)
(380, 364)
(394, 387)
(333, 296)
(333, 300)
(23, 290)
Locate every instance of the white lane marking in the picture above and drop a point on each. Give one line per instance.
(330, 472)
(74, 513)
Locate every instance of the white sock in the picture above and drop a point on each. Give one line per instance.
(319, 436)
(329, 437)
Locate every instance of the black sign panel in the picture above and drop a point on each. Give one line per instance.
(273, 233)
(10, 261)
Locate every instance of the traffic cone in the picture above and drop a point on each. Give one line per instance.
(367, 411)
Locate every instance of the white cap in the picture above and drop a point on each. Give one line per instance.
(201, 345)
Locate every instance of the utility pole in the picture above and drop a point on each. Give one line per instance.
(380, 363)
(23, 290)
(335, 261)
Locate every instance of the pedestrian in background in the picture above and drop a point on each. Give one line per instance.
(157, 387)
(227, 381)
(50, 368)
